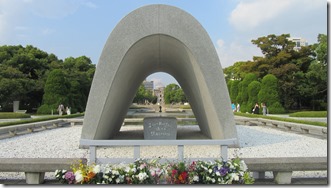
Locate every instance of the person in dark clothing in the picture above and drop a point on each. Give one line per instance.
(256, 108)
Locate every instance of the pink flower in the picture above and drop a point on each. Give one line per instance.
(69, 176)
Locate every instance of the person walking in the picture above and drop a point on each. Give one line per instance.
(60, 109)
(264, 109)
(256, 109)
(233, 106)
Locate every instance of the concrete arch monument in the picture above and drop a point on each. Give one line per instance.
(158, 38)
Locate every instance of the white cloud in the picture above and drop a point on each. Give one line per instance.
(248, 15)
(89, 4)
(229, 53)
(47, 31)
(254, 13)
(10, 13)
(157, 82)
(14, 13)
(54, 9)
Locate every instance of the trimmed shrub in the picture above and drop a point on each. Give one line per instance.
(234, 91)
(253, 91)
(56, 91)
(47, 109)
(269, 94)
(276, 108)
(250, 77)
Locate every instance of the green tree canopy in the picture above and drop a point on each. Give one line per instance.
(269, 94)
(174, 94)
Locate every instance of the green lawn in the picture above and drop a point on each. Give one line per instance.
(39, 119)
(309, 114)
(316, 123)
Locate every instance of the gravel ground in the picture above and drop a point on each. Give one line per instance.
(254, 142)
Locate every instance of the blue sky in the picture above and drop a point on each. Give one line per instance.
(81, 27)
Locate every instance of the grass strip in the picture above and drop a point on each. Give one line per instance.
(4, 124)
(316, 123)
(13, 115)
(309, 114)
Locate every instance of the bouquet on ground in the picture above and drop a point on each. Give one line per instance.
(151, 172)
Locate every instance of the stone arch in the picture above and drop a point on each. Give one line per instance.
(158, 38)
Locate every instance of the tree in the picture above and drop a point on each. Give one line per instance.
(173, 93)
(269, 95)
(234, 91)
(253, 91)
(26, 69)
(143, 94)
(315, 85)
(244, 91)
(322, 49)
(79, 72)
(57, 88)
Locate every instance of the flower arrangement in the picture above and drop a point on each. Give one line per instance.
(152, 172)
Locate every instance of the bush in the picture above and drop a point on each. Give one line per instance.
(310, 114)
(269, 94)
(47, 109)
(276, 108)
(12, 115)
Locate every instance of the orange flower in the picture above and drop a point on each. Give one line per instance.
(89, 176)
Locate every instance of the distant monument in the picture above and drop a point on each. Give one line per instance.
(158, 38)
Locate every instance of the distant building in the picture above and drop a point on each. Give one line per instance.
(299, 42)
(159, 92)
(149, 85)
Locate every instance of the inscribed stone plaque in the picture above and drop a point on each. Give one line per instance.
(160, 128)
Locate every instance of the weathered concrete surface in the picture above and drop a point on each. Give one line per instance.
(158, 38)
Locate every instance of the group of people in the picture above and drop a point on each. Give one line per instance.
(235, 108)
(256, 109)
(63, 110)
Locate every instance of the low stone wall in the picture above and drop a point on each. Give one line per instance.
(288, 126)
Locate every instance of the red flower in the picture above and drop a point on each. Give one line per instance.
(182, 177)
(174, 172)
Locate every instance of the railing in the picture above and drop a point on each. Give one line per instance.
(93, 144)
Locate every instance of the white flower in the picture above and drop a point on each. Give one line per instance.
(105, 176)
(127, 169)
(64, 171)
(56, 171)
(116, 172)
(243, 165)
(213, 180)
(196, 178)
(96, 169)
(117, 180)
(210, 171)
(78, 176)
(218, 173)
(142, 176)
(235, 176)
